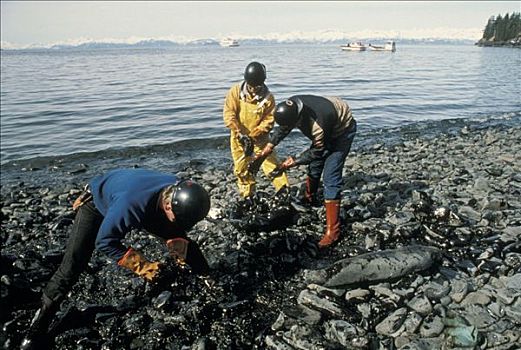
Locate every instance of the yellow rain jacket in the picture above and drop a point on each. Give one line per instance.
(252, 116)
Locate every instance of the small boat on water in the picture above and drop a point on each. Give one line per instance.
(229, 42)
(388, 46)
(356, 46)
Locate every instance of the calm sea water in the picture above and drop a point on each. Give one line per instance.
(63, 102)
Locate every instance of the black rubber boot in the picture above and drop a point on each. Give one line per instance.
(36, 337)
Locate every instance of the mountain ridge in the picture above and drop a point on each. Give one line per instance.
(161, 43)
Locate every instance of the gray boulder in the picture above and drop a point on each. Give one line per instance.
(380, 266)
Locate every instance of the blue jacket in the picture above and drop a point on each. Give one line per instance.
(128, 199)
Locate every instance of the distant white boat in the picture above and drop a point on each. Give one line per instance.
(229, 42)
(356, 46)
(388, 46)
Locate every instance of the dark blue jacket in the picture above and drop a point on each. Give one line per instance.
(129, 199)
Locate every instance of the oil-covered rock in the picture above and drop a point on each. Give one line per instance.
(429, 256)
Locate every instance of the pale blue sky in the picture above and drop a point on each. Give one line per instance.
(39, 22)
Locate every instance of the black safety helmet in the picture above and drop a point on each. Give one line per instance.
(255, 74)
(286, 113)
(190, 203)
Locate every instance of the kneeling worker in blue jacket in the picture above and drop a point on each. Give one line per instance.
(111, 206)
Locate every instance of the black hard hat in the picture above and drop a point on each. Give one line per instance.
(286, 113)
(255, 74)
(190, 203)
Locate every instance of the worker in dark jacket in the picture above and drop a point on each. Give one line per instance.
(110, 207)
(329, 124)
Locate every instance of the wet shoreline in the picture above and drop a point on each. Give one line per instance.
(456, 189)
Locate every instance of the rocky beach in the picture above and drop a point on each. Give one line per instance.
(430, 256)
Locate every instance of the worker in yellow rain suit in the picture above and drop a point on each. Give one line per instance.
(248, 112)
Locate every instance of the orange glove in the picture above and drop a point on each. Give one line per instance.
(185, 251)
(178, 249)
(83, 198)
(136, 262)
(288, 163)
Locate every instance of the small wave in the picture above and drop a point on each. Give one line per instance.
(183, 146)
(295, 143)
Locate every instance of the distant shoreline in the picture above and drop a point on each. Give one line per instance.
(498, 44)
(162, 44)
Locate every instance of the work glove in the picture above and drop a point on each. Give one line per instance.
(83, 198)
(178, 249)
(185, 251)
(257, 159)
(136, 262)
(288, 163)
(246, 144)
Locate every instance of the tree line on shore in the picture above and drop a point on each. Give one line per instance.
(502, 30)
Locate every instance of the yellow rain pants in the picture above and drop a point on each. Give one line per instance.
(251, 116)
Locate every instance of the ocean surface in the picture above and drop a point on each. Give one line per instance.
(57, 103)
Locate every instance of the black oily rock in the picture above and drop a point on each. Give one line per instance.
(437, 194)
(262, 212)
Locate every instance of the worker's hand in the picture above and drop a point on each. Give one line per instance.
(136, 262)
(256, 162)
(246, 144)
(83, 198)
(288, 163)
(150, 271)
(178, 249)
